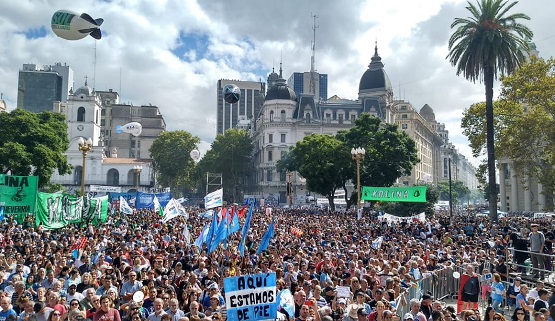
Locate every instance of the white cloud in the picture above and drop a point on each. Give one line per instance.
(245, 40)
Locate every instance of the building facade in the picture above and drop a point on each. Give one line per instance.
(287, 117)
(38, 89)
(3, 105)
(248, 106)
(83, 112)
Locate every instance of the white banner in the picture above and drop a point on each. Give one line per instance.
(409, 219)
(214, 199)
(101, 188)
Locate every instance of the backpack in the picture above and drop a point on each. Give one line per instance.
(471, 287)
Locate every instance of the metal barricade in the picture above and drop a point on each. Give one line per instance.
(523, 264)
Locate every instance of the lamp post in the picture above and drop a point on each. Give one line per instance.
(85, 146)
(450, 190)
(358, 155)
(137, 170)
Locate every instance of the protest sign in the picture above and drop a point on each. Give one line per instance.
(251, 297)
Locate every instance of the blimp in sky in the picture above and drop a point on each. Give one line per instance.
(73, 26)
(133, 128)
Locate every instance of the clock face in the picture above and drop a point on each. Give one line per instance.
(80, 127)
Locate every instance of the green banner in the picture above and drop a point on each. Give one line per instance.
(58, 210)
(18, 194)
(415, 194)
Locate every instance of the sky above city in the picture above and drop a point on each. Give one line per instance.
(171, 53)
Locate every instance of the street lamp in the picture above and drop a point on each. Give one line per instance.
(450, 190)
(358, 155)
(289, 188)
(85, 146)
(137, 169)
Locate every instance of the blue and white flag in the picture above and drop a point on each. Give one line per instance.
(1, 213)
(265, 242)
(124, 207)
(170, 211)
(202, 237)
(214, 199)
(207, 214)
(377, 243)
(186, 235)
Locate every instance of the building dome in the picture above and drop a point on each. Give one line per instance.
(281, 91)
(85, 91)
(374, 77)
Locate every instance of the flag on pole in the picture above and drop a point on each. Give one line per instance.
(201, 237)
(220, 236)
(171, 211)
(124, 207)
(245, 230)
(234, 226)
(211, 231)
(157, 206)
(186, 235)
(265, 242)
(214, 199)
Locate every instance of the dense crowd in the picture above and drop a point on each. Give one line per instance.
(135, 268)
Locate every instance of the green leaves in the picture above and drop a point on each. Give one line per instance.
(173, 164)
(33, 144)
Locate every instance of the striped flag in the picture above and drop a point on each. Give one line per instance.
(79, 244)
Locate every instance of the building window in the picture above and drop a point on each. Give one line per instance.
(404, 126)
(270, 156)
(353, 118)
(271, 115)
(404, 116)
(270, 138)
(328, 118)
(340, 118)
(283, 138)
(307, 118)
(81, 114)
(269, 175)
(282, 154)
(282, 176)
(282, 116)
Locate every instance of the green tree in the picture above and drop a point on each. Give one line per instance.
(460, 192)
(173, 166)
(488, 42)
(230, 155)
(324, 161)
(33, 144)
(390, 153)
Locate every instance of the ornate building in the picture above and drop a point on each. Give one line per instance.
(286, 118)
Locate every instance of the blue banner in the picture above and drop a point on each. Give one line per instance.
(146, 200)
(251, 297)
(115, 196)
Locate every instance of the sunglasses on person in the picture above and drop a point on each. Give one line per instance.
(497, 318)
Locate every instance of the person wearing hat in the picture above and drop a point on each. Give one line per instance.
(72, 293)
(362, 314)
(212, 290)
(216, 307)
(512, 291)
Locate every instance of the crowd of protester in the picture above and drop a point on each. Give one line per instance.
(136, 268)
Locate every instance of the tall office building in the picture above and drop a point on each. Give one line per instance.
(300, 82)
(248, 106)
(38, 89)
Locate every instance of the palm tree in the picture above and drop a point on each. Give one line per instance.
(488, 42)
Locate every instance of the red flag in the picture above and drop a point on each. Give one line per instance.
(79, 244)
(242, 212)
(230, 214)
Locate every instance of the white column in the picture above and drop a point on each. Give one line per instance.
(527, 194)
(502, 189)
(514, 190)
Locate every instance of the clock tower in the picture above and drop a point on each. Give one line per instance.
(83, 115)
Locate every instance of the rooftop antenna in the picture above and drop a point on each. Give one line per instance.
(312, 86)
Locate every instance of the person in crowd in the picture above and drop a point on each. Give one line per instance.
(107, 310)
(519, 314)
(497, 293)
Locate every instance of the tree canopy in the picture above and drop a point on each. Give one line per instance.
(33, 144)
(324, 161)
(524, 118)
(488, 42)
(172, 162)
(230, 155)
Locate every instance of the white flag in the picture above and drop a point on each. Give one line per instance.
(170, 211)
(214, 199)
(124, 207)
(186, 235)
(377, 243)
(156, 204)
